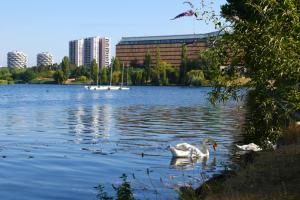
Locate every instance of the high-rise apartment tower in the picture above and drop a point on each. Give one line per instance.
(44, 59)
(76, 52)
(16, 59)
(84, 51)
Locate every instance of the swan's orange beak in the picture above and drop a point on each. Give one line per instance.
(215, 146)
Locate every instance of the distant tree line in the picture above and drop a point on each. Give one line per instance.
(197, 72)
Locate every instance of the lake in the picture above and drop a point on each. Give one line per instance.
(60, 142)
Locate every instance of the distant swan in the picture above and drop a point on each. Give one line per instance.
(249, 147)
(185, 150)
(255, 147)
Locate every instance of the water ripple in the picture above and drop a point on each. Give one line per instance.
(64, 140)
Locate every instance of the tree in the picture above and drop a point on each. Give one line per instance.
(58, 77)
(28, 75)
(116, 65)
(136, 76)
(266, 40)
(65, 66)
(163, 73)
(80, 71)
(210, 65)
(17, 73)
(173, 75)
(147, 66)
(116, 77)
(195, 78)
(94, 71)
(5, 74)
(104, 78)
(155, 74)
(183, 65)
(238, 8)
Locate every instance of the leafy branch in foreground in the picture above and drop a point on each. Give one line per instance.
(266, 42)
(261, 39)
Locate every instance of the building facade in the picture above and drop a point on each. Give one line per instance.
(84, 51)
(133, 49)
(76, 52)
(44, 59)
(91, 50)
(105, 51)
(16, 59)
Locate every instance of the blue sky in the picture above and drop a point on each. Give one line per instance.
(34, 26)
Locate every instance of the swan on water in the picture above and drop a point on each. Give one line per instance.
(249, 147)
(255, 147)
(185, 150)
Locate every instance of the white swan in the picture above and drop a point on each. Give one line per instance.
(255, 147)
(185, 150)
(249, 147)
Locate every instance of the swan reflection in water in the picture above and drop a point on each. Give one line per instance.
(189, 163)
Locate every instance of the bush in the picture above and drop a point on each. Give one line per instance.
(46, 74)
(82, 79)
(136, 76)
(124, 191)
(196, 78)
(173, 75)
(17, 73)
(5, 74)
(58, 77)
(3, 82)
(116, 77)
(28, 76)
(196, 81)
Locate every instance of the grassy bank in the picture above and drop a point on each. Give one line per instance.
(264, 175)
(6, 82)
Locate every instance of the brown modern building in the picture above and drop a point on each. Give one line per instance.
(133, 49)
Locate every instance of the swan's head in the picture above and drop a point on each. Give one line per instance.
(208, 141)
(215, 145)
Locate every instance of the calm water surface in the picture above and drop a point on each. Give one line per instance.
(60, 142)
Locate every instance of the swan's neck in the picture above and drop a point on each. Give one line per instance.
(205, 148)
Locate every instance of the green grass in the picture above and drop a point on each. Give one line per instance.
(3, 82)
(43, 81)
(273, 175)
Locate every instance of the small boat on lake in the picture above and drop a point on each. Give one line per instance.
(110, 86)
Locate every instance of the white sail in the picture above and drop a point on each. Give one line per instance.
(110, 86)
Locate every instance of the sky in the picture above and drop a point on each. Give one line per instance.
(35, 26)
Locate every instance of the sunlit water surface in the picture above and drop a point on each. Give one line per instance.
(60, 142)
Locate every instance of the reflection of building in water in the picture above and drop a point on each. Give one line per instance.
(89, 125)
(108, 121)
(95, 123)
(78, 116)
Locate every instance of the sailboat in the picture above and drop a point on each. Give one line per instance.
(110, 87)
(122, 83)
(97, 86)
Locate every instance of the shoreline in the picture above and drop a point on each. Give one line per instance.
(83, 84)
(260, 175)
